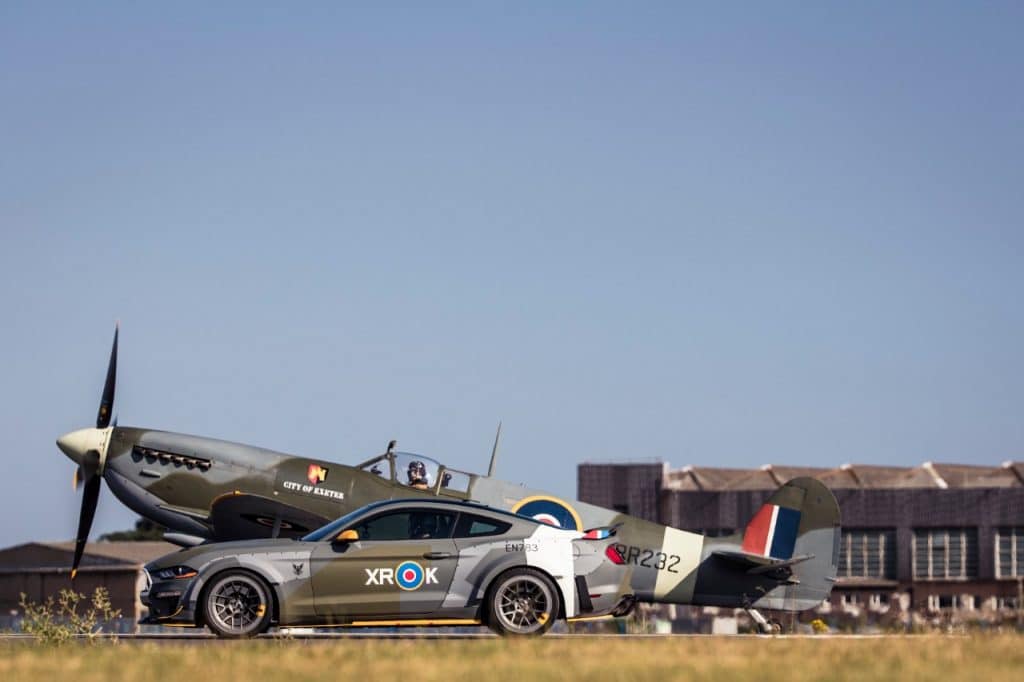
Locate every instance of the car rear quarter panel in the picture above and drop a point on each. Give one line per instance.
(481, 561)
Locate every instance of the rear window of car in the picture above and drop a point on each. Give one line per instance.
(473, 526)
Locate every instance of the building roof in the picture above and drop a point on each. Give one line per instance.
(58, 555)
(129, 552)
(771, 476)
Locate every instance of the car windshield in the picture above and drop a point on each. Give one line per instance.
(338, 525)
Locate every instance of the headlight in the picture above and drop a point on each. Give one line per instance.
(175, 572)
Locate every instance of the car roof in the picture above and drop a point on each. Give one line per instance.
(455, 505)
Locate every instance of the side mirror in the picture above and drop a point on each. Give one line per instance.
(347, 536)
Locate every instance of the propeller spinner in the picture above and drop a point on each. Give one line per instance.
(87, 448)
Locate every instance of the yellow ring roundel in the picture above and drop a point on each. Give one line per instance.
(549, 510)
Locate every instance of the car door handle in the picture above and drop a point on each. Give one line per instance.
(438, 555)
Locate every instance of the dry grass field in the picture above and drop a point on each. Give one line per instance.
(491, 660)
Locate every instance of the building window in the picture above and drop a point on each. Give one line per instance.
(945, 553)
(1010, 552)
(867, 553)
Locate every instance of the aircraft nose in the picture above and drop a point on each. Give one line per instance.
(77, 443)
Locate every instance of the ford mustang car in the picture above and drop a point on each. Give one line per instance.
(398, 562)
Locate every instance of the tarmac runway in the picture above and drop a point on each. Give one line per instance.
(193, 638)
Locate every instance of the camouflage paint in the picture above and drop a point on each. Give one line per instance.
(214, 489)
(326, 582)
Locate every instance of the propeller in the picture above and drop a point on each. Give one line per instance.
(90, 496)
(107, 400)
(88, 449)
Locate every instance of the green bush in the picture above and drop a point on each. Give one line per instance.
(56, 621)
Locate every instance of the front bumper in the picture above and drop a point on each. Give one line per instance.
(169, 602)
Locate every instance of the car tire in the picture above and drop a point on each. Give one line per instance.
(237, 605)
(522, 602)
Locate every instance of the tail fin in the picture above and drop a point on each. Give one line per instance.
(773, 530)
(806, 525)
(788, 555)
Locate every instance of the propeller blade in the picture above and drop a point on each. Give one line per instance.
(76, 479)
(107, 401)
(89, 498)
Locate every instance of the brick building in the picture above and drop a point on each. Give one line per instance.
(41, 569)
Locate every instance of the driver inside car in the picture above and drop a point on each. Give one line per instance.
(422, 526)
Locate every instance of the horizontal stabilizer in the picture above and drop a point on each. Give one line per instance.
(759, 563)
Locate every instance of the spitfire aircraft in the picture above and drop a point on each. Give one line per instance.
(203, 489)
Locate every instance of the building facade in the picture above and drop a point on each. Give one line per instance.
(40, 570)
(932, 540)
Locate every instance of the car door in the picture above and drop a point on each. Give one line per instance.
(401, 565)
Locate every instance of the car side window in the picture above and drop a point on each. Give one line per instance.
(473, 526)
(408, 524)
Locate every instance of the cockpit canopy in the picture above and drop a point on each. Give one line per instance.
(417, 471)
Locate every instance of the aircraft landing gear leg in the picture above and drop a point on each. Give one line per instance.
(763, 625)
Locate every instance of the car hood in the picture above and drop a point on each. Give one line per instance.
(202, 553)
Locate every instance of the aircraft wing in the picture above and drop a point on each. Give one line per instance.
(200, 515)
(243, 516)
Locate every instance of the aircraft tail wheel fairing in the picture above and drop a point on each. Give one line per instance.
(522, 602)
(237, 605)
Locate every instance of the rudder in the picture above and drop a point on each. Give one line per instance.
(806, 524)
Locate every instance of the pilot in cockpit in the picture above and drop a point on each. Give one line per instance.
(417, 475)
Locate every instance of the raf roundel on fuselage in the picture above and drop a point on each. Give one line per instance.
(549, 510)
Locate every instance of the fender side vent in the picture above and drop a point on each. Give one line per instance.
(586, 606)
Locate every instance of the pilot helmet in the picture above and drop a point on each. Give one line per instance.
(417, 472)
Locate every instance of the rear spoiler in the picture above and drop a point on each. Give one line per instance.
(601, 533)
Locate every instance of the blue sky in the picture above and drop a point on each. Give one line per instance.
(707, 234)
